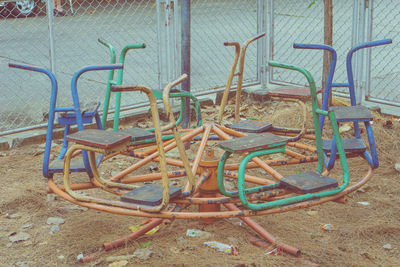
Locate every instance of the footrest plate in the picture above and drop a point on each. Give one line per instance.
(352, 113)
(353, 145)
(251, 126)
(308, 182)
(76, 165)
(138, 134)
(253, 142)
(99, 138)
(149, 194)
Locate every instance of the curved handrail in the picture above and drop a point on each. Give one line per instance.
(172, 125)
(120, 75)
(241, 70)
(158, 138)
(230, 78)
(329, 80)
(349, 64)
(75, 99)
(106, 104)
(342, 155)
(52, 110)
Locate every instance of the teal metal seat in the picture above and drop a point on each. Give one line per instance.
(139, 138)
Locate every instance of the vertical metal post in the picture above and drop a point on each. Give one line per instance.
(261, 44)
(358, 69)
(52, 52)
(185, 55)
(159, 55)
(369, 56)
(270, 39)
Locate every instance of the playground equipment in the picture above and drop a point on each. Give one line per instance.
(203, 175)
(67, 118)
(354, 113)
(254, 126)
(183, 95)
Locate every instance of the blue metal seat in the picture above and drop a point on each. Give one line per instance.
(67, 117)
(353, 113)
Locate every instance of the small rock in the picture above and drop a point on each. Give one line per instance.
(55, 220)
(27, 226)
(61, 257)
(25, 263)
(118, 263)
(54, 229)
(197, 233)
(388, 247)
(21, 236)
(364, 203)
(143, 253)
(397, 167)
(13, 216)
(312, 212)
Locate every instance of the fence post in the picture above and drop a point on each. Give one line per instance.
(368, 57)
(52, 51)
(359, 57)
(185, 56)
(261, 43)
(269, 39)
(167, 41)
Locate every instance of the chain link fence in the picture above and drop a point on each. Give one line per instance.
(300, 22)
(216, 22)
(24, 96)
(383, 86)
(25, 38)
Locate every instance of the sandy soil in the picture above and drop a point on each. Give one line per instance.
(357, 239)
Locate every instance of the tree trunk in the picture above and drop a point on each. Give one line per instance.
(328, 39)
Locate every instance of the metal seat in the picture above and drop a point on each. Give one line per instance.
(149, 194)
(253, 143)
(57, 165)
(139, 134)
(353, 145)
(251, 126)
(351, 113)
(99, 138)
(354, 113)
(308, 182)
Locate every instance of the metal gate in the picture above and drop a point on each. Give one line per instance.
(298, 22)
(383, 64)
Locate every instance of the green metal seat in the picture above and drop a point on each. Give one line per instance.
(307, 185)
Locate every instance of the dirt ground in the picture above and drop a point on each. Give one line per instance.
(366, 230)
